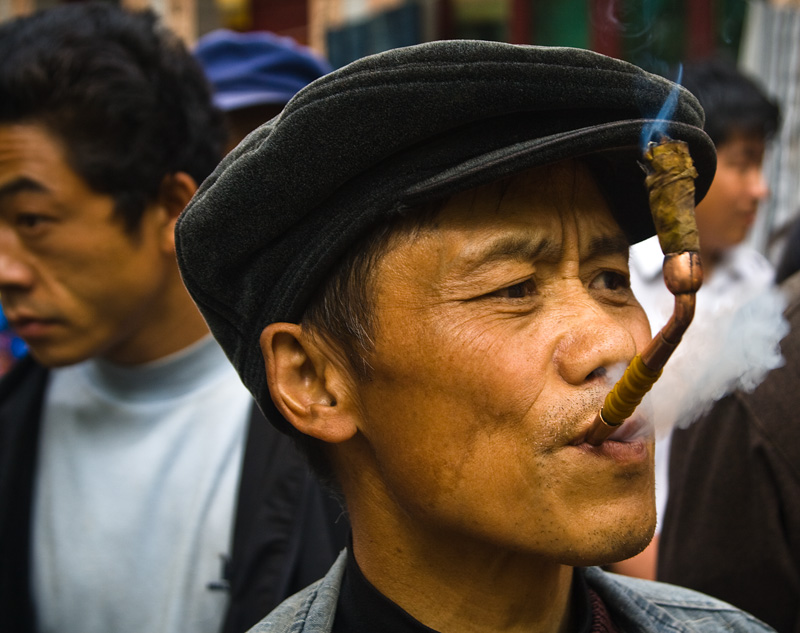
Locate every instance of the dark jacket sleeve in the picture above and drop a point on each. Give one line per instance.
(21, 397)
(288, 529)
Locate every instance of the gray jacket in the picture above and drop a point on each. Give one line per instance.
(634, 605)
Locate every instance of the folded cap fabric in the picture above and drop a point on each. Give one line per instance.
(256, 68)
(395, 130)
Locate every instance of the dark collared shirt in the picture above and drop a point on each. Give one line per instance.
(361, 608)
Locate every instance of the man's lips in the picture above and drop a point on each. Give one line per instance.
(627, 445)
(748, 218)
(29, 326)
(632, 430)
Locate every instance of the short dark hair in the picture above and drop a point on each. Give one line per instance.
(123, 94)
(733, 103)
(342, 312)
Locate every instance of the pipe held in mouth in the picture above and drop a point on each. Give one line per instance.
(670, 182)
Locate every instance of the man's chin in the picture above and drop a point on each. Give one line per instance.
(54, 357)
(614, 547)
(629, 551)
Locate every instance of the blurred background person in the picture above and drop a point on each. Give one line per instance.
(253, 75)
(741, 120)
(140, 487)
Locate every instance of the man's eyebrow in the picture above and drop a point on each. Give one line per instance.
(602, 245)
(527, 249)
(21, 184)
(511, 247)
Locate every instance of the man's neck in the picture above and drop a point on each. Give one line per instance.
(171, 325)
(710, 259)
(462, 589)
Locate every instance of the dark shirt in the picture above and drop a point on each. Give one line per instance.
(363, 609)
(732, 523)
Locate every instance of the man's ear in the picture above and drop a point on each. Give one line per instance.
(308, 383)
(174, 194)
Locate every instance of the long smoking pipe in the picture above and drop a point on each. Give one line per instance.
(670, 183)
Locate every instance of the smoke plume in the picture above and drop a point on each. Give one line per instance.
(733, 348)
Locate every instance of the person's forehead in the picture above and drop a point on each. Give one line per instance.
(32, 159)
(562, 186)
(526, 217)
(743, 141)
(541, 200)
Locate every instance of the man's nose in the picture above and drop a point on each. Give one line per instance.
(595, 344)
(759, 188)
(15, 271)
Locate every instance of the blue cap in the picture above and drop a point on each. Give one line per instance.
(256, 68)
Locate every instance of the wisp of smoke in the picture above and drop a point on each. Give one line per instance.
(735, 348)
(653, 131)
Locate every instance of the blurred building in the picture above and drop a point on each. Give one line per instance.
(657, 34)
(769, 52)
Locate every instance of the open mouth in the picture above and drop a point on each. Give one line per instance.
(635, 429)
(629, 444)
(632, 430)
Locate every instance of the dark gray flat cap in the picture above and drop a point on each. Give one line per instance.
(394, 130)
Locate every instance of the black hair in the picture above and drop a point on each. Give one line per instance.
(127, 100)
(733, 102)
(343, 312)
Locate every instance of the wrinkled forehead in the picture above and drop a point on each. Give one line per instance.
(548, 203)
(546, 215)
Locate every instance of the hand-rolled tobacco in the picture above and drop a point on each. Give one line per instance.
(670, 181)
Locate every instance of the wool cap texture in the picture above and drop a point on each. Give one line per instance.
(389, 132)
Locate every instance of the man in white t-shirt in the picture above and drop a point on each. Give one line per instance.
(140, 488)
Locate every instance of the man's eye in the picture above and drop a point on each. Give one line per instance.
(30, 220)
(521, 290)
(743, 165)
(611, 280)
